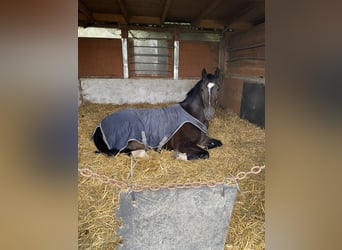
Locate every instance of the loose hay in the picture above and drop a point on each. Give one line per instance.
(243, 147)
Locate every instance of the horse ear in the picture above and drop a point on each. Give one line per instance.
(204, 73)
(217, 72)
(218, 75)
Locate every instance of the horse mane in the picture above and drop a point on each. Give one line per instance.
(195, 89)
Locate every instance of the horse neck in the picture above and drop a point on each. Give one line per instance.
(194, 106)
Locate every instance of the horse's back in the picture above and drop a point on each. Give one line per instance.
(154, 124)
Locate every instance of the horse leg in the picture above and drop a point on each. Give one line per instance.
(136, 149)
(193, 152)
(186, 141)
(211, 143)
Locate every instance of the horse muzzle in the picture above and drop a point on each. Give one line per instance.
(209, 113)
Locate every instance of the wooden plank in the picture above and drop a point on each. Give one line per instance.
(166, 7)
(230, 94)
(253, 52)
(211, 24)
(123, 10)
(85, 11)
(248, 47)
(240, 26)
(247, 63)
(250, 79)
(145, 20)
(104, 17)
(243, 7)
(246, 70)
(249, 37)
(206, 11)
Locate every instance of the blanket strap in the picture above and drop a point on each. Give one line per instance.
(161, 143)
(144, 140)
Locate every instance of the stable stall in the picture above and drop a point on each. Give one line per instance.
(150, 54)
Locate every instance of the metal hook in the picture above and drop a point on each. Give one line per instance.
(233, 178)
(130, 176)
(238, 187)
(224, 184)
(134, 200)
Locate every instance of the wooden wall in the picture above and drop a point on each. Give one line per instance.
(196, 55)
(240, 55)
(99, 57)
(242, 60)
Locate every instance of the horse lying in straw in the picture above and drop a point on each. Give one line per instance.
(182, 127)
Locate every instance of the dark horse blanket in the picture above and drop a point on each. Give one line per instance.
(149, 126)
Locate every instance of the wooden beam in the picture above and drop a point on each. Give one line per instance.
(243, 8)
(166, 7)
(104, 17)
(210, 23)
(84, 9)
(123, 10)
(209, 8)
(239, 26)
(144, 20)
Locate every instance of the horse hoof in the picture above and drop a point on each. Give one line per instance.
(192, 157)
(214, 144)
(196, 157)
(204, 155)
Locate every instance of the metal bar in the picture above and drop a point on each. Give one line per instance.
(134, 62)
(175, 60)
(151, 70)
(155, 55)
(144, 46)
(124, 57)
(148, 38)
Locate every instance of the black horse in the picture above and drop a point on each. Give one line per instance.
(182, 127)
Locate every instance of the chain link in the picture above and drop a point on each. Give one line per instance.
(88, 173)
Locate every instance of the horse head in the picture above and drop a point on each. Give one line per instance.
(209, 92)
(202, 98)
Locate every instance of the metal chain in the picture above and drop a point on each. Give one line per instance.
(88, 173)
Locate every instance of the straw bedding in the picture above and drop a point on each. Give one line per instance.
(243, 147)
